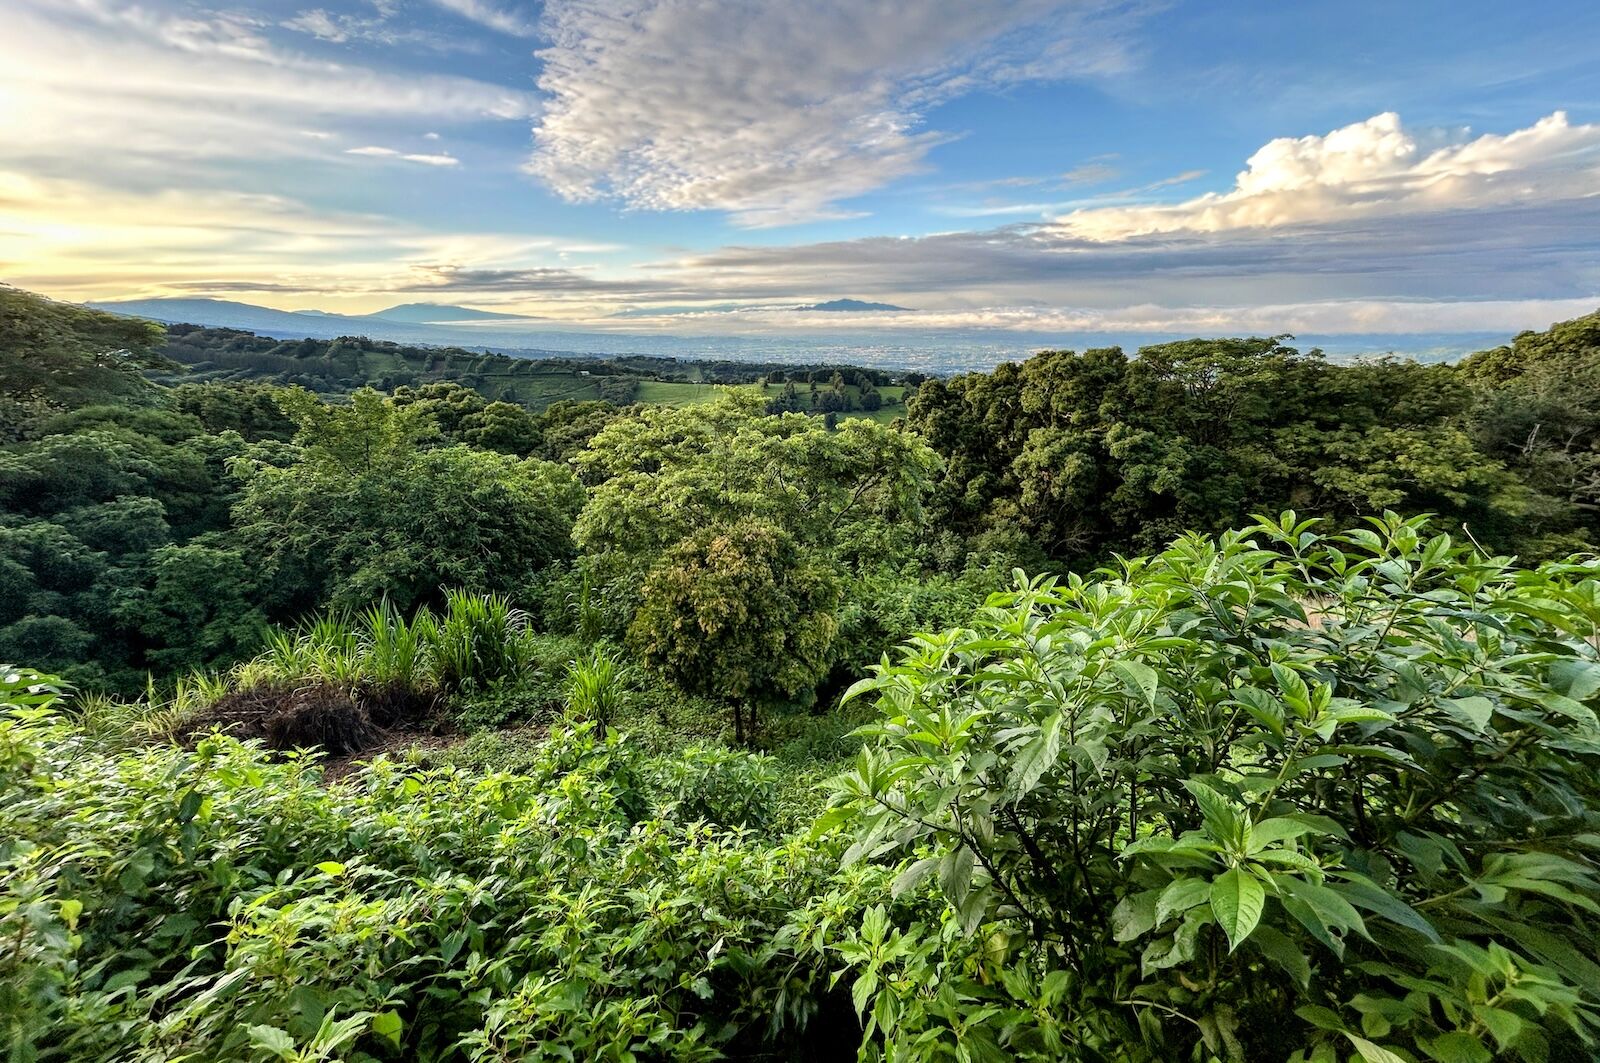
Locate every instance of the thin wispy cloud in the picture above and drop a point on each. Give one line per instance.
(376, 151)
(506, 18)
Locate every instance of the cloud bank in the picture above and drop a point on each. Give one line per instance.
(1373, 168)
(778, 112)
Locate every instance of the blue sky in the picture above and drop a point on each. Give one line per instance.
(1003, 164)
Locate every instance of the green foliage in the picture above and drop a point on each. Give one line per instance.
(1350, 777)
(723, 540)
(56, 355)
(477, 640)
(737, 613)
(212, 904)
(725, 787)
(596, 688)
(367, 512)
(474, 642)
(852, 494)
(1538, 410)
(1098, 452)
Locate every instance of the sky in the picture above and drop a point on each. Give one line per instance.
(716, 165)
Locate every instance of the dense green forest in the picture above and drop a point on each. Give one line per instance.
(376, 703)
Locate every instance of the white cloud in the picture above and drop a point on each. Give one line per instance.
(380, 27)
(503, 19)
(390, 153)
(322, 25)
(776, 111)
(81, 240)
(91, 82)
(1371, 168)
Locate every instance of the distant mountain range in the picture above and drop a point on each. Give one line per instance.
(436, 314)
(937, 350)
(407, 323)
(854, 306)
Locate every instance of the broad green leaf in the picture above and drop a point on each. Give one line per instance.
(1272, 831)
(1140, 679)
(1475, 712)
(1578, 680)
(1181, 895)
(1281, 949)
(1363, 893)
(955, 874)
(1372, 1053)
(1320, 1017)
(1135, 915)
(137, 871)
(1037, 757)
(913, 874)
(1224, 821)
(1458, 1046)
(388, 1025)
(272, 1040)
(1237, 899)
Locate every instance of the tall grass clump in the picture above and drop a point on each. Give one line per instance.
(395, 648)
(478, 639)
(110, 722)
(596, 688)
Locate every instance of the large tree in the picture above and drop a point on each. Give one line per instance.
(846, 501)
(739, 613)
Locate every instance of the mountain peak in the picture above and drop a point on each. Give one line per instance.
(438, 313)
(852, 306)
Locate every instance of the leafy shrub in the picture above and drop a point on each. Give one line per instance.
(536, 696)
(212, 904)
(727, 787)
(1278, 793)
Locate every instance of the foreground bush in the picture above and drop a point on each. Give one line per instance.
(1282, 794)
(214, 905)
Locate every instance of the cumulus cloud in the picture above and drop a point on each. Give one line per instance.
(777, 112)
(1372, 168)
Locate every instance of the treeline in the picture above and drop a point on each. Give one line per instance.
(1076, 456)
(152, 529)
(349, 362)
